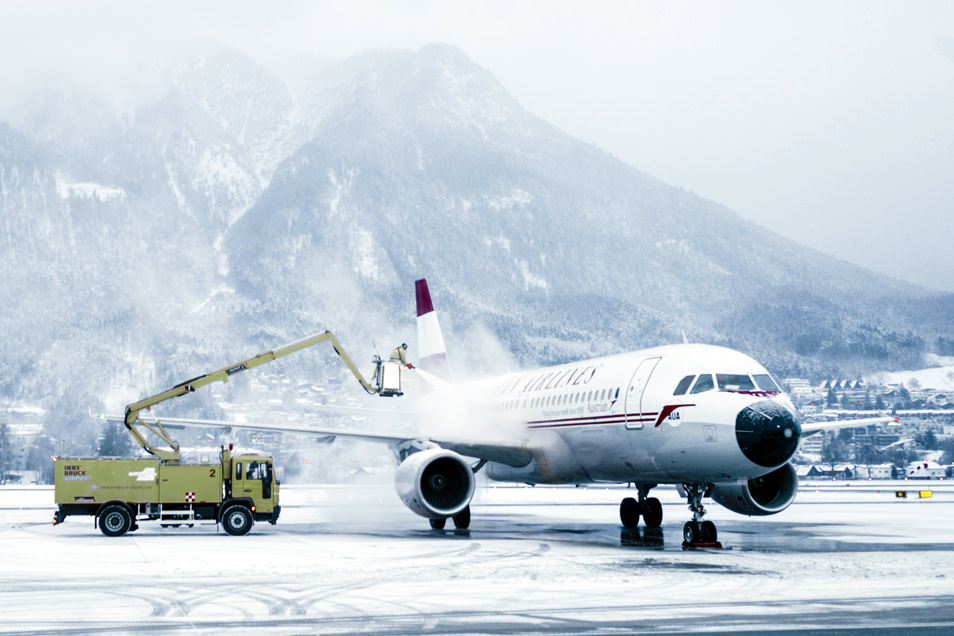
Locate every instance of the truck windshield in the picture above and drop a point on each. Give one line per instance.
(257, 470)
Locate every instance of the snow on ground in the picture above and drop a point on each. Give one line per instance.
(938, 378)
(536, 560)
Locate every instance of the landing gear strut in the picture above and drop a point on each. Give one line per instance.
(648, 507)
(698, 533)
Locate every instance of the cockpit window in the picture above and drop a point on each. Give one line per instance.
(704, 383)
(683, 385)
(732, 382)
(766, 383)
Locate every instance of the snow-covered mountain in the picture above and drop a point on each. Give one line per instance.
(224, 214)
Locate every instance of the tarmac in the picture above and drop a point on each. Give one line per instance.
(845, 558)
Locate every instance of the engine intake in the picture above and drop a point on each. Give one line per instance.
(435, 483)
(765, 495)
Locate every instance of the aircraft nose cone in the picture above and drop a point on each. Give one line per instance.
(767, 433)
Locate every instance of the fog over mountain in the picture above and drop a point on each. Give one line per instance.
(224, 214)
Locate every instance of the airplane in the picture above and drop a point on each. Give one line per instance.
(710, 420)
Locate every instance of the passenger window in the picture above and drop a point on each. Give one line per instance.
(766, 383)
(733, 382)
(683, 385)
(704, 383)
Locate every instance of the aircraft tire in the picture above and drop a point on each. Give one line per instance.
(708, 532)
(691, 532)
(629, 510)
(462, 519)
(652, 512)
(438, 524)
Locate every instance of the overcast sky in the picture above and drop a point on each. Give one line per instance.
(831, 123)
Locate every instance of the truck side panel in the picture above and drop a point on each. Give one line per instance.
(100, 480)
(190, 484)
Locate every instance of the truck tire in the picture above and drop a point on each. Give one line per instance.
(237, 520)
(114, 521)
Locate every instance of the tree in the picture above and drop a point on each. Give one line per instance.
(40, 458)
(833, 452)
(948, 447)
(929, 440)
(114, 441)
(867, 454)
(5, 458)
(832, 399)
(901, 457)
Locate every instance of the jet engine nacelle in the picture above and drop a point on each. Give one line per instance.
(435, 483)
(765, 495)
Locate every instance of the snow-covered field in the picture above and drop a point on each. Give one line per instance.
(938, 378)
(536, 560)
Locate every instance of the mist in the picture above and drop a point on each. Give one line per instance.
(825, 122)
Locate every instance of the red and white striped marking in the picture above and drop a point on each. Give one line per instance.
(431, 352)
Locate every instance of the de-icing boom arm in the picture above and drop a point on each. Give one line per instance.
(387, 378)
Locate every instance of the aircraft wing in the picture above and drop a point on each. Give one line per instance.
(817, 427)
(514, 454)
(178, 422)
(511, 453)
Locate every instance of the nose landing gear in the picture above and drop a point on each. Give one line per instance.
(698, 533)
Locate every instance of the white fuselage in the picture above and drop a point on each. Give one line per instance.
(621, 419)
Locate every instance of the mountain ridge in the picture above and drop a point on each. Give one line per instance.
(250, 215)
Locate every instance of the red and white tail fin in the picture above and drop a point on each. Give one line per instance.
(431, 352)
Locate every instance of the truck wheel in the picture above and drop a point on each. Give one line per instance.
(114, 521)
(237, 520)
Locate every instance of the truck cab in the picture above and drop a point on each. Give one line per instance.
(252, 478)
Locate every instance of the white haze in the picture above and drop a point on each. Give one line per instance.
(827, 122)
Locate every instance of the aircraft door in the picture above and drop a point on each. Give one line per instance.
(633, 404)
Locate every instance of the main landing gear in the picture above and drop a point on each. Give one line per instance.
(698, 533)
(461, 520)
(648, 507)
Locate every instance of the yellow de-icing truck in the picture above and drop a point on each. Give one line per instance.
(235, 492)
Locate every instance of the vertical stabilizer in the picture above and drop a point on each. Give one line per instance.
(431, 352)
